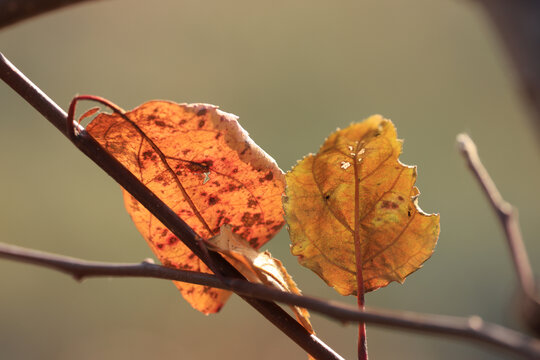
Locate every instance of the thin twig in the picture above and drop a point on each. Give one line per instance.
(508, 217)
(84, 142)
(14, 11)
(472, 328)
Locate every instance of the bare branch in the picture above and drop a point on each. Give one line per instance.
(506, 213)
(84, 142)
(13, 11)
(518, 24)
(509, 220)
(472, 328)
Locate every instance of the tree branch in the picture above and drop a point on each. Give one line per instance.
(506, 213)
(518, 24)
(13, 11)
(84, 142)
(472, 328)
(508, 217)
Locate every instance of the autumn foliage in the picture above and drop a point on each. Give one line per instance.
(356, 188)
(352, 209)
(205, 167)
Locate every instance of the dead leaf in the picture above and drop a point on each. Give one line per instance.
(257, 267)
(203, 165)
(359, 163)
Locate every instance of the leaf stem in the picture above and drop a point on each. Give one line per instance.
(362, 339)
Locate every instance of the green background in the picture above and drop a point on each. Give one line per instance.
(293, 71)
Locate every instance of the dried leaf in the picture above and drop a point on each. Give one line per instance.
(203, 165)
(258, 267)
(88, 113)
(359, 163)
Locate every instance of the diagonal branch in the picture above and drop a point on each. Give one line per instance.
(507, 215)
(13, 11)
(84, 142)
(472, 328)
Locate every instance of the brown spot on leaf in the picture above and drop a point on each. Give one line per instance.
(147, 154)
(249, 219)
(219, 221)
(252, 203)
(201, 112)
(212, 200)
(160, 123)
(201, 124)
(389, 205)
(197, 167)
(168, 263)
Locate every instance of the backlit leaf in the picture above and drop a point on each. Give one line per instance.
(257, 267)
(358, 164)
(203, 165)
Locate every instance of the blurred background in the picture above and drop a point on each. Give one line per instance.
(293, 72)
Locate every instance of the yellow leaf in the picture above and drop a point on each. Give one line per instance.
(258, 267)
(355, 187)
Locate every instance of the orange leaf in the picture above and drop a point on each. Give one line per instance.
(203, 165)
(358, 164)
(88, 113)
(258, 267)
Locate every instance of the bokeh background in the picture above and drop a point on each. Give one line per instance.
(293, 71)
